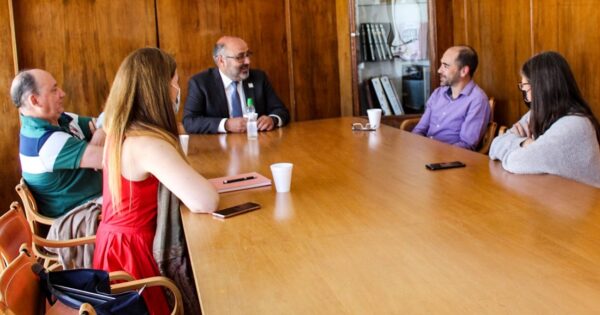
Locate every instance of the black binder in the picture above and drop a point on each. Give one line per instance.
(364, 53)
(372, 45)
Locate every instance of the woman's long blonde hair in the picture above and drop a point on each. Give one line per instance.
(139, 103)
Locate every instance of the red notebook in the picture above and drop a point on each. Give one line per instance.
(239, 182)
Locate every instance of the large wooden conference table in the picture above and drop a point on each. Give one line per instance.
(366, 229)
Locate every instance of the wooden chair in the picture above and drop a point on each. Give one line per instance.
(39, 224)
(20, 289)
(36, 220)
(409, 124)
(180, 128)
(485, 143)
(492, 102)
(490, 133)
(502, 130)
(14, 232)
(488, 137)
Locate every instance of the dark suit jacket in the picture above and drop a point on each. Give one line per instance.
(206, 103)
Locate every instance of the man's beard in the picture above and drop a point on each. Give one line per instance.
(444, 81)
(244, 73)
(447, 81)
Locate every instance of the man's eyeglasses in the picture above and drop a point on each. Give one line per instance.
(361, 127)
(522, 86)
(240, 57)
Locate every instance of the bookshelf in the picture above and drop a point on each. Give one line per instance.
(390, 40)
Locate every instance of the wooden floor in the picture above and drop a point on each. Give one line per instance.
(366, 229)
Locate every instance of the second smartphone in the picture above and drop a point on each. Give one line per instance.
(235, 210)
(445, 165)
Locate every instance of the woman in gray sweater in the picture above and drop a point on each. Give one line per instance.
(560, 134)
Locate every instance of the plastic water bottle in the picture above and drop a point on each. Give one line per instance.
(251, 127)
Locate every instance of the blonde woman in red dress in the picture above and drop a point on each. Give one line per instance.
(142, 149)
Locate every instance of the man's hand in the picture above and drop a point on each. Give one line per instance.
(92, 125)
(265, 123)
(236, 125)
(98, 135)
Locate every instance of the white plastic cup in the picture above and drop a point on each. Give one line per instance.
(282, 175)
(374, 117)
(184, 140)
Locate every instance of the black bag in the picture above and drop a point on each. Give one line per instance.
(78, 286)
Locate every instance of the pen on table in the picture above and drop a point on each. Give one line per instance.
(229, 181)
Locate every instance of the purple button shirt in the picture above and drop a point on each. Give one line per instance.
(460, 122)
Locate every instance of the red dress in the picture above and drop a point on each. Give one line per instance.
(124, 239)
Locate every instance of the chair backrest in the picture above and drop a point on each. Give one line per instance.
(409, 123)
(492, 102)
(14, 232)
(488, 137)
(490, 132)
(38, 225)
(501, 130)
(19, 287)
(20, 291)
(35, 219)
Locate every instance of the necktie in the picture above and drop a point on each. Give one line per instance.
(236, 104)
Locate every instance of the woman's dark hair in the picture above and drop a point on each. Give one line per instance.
(555, 93)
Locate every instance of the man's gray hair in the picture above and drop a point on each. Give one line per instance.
(218, 50)
(22, 86)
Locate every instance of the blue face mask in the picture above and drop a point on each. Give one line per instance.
(177, 100)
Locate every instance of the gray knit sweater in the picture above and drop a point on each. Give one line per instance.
(568, 149)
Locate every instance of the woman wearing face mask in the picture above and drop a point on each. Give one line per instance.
(141, 150)
(560, 134)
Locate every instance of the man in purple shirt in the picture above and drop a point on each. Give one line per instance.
(457, 112)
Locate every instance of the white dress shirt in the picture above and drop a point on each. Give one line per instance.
(240, 88)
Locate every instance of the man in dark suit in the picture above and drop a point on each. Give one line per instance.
(216, 100)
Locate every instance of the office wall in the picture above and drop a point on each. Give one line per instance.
(190, 29)
(294, 42)
(9, 154)
(506, 33)
(344, 9)
(315, 59)
(83, 42)
(573, 33)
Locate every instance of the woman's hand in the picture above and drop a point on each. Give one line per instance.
(520, 130)
(527, 142)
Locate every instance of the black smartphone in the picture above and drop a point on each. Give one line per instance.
(444, 165)
(235, 210)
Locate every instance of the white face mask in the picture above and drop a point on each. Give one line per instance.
(177, 99)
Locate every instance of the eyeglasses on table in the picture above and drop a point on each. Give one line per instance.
(361, 127)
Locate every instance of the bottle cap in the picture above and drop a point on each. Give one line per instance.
(250, 102)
